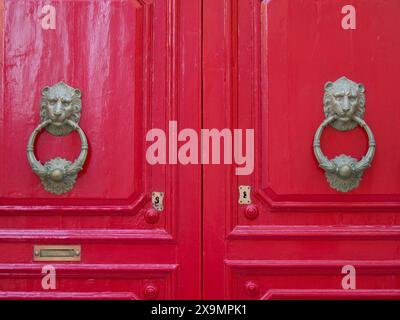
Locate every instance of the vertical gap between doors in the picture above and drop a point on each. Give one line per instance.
(202, 167)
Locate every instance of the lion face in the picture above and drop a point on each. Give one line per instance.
(345, 99)
(60, 103)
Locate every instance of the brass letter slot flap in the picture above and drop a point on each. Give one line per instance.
(56, 253)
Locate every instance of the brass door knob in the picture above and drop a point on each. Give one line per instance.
(60, 113)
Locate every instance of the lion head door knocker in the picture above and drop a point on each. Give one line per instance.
(60, 109)
(344, 107)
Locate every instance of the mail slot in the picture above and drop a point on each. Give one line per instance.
(56, 253)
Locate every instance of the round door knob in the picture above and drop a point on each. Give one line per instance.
(252, 288)
(151, 216)
(251, 212)
(151, 292)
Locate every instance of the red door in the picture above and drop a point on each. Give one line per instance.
(137, 66)
(128, 228)
(265, 67)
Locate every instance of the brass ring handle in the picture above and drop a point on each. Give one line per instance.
(344, 172)
(57, 175)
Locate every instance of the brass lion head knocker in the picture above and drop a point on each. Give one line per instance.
(60, 108)
(344, 107)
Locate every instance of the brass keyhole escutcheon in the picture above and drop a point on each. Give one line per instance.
(157, 200)
(244, 195)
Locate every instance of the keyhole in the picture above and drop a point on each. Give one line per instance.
(157, 199)
(244, 195)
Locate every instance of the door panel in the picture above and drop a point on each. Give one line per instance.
(265, 64)
(131, 61)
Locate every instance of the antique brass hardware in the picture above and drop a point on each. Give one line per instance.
(244, 195)
(60, 114)
(344, 106)
(56, 253)
(157, 200)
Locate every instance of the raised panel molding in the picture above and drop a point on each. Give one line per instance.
(281, 294)
(85, 235)
(264, 195)
(92, 270)
(355, 203)
(46, 295)
(355, 232)
(137, 203)
(313, 266)
(238, 269)
(163, 272)
(307, 202)
(138, 199)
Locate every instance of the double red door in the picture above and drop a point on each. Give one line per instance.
(225, 64)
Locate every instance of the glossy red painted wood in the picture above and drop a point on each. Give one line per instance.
(137, 64)
(265, 64)
(211, 64)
